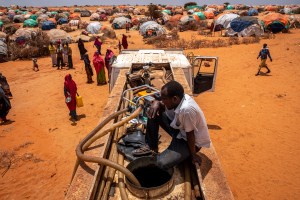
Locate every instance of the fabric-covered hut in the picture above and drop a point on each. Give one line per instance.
(120, 22)
(95, 17)
(94, 27)
(276, 22)
(59, 35)
(245, 26)
(151, 27)
(48, 25)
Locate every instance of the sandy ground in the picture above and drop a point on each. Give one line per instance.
(258, 116)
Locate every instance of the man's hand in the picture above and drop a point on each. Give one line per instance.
(154, 109)
(196, 159)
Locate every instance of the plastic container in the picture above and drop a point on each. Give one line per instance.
(79, 101)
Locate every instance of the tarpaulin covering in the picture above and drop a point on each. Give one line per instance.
(252, 12)
(3, 48)
(95, 17)
(186, 19)
(240, 23)
(153, 26)
(24, 33)
(167, 11)
(30, 23)
(94, 27)
(209, 14)
(193, 7)
(272, 21)
(120, 22)
(225, 20)
(48, 25)
(200, 15)
(254, 29)
(230, 7)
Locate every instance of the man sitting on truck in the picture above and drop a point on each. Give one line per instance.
(181, 117)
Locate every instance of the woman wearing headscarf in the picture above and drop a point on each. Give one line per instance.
(70, 90)
(5, 106)
(82, 50)
(108, 56)
(52, 51)
(99, 67)
(88, 68)
(98, 44)
(124, 42)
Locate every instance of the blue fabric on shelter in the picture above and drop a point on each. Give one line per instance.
(252, 12)
(238, 24)
(48, 25)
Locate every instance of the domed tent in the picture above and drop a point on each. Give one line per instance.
(62, 21)
(276, 22)
(209, 14)
(94, 27)
(167, 11)
(95, 17)
(48, 25)
(42, 18)
(108, 32)
(120, 22)
(18, 19)
(252, 12)
(245, 26)
(85, 13)
(230, 7)
(199, 16)
(156, 28)
(30, 23)
(34, 17)
(224, 20)
(57, 34)
(186, 19)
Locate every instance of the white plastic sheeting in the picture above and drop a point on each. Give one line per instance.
(94, 27)
(159, 29)
(254, 29)
(225, 20)
(121, 21)
(3, 48)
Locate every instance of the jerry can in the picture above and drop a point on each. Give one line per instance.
(79, 101)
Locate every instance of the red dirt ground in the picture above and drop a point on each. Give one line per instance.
(258, 144)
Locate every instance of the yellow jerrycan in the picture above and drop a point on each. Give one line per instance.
(79, 101)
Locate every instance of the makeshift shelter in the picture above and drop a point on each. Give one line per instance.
(42, 18)
(175, 18)
(18, 19)
(77, 10)
(186, 19)
(271, 8)
(24, 34)
(224, 20)
(252, 12)
(252, 30)
(276, 22)
(34, 17)
(74, 16)
(199, 16)
(108, 32)
(209, 14)
(48, 25)
(94, 27)
(230, 7)
(103, 17)
(120, 22)
(187, 22)
(30, 23)
(59, 35)
(95, 17)
(100, 10)
(52, 20)
(156, 29)
(85, 13)
(62, 21)
(194, 7)
(167, 11)
(3, 48)
(240, 23)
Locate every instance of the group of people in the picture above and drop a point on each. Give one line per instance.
(61, 55)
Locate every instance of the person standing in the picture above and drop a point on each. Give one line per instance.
(88, 68)
(181, 117)
(5, 86)
(99, 67)
(124, 41)
(70, 90)
(70, 60)
(127, 27)
(5, 106)
(82, 50)
(264, 54)
(98, 44)
(120, 47)
(59, 54)
(52, 51)
(65, 54)
(108, 56)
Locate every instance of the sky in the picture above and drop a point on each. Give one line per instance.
(139, 2)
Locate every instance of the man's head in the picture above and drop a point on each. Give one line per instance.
(265, 45)
(172, 94)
